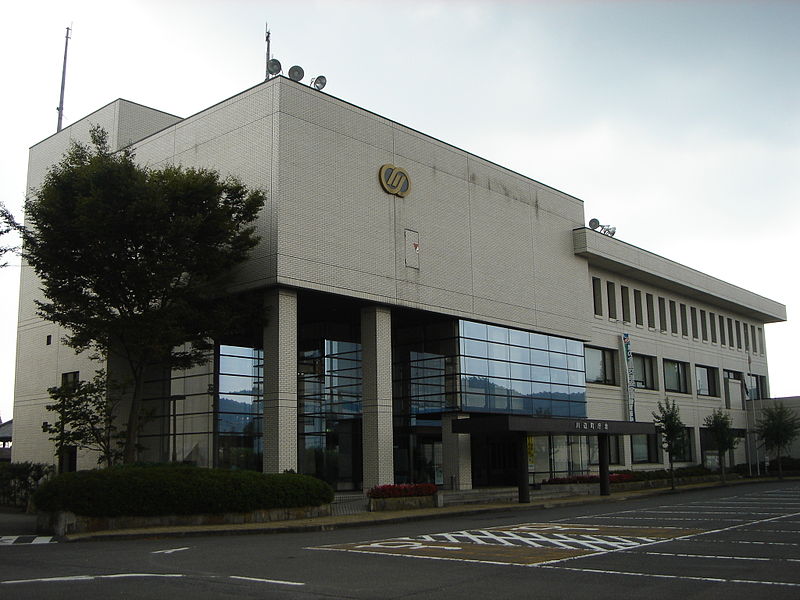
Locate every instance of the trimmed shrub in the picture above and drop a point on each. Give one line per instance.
(137, 490)
(402, 490)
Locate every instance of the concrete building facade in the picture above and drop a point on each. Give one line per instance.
(411, 287)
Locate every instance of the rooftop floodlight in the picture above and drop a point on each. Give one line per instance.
(274, 66)
(296, 73)
(604, 229)
(319, 82)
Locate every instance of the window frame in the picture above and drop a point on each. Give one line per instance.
(609, 366)
(683, 377)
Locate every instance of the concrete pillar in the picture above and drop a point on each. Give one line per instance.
(280, 381)
(376, 369)
(456, 454)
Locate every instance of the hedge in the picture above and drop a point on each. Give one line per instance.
(402, 490)
(176, 490)
(623, 476)
(19, 480)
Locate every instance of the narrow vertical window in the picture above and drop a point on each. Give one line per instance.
(730, 332)
(746, 332)
(626, 303)
(651, 312)
(753, 335)
(722, 330)
(684, 323)
(738, 335)
(662, 314)
(673, 316)
(612, 300)
(49, 340)
(637, 308)
(703, 325)
(761, 341)
(693, 316)
(597, 295)
(712, 321)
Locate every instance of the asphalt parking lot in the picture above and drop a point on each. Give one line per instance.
(749, 539)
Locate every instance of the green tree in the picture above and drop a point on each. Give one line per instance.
(722, 434)
(133, 261)
(8, 225)
(87, 418)
(673, 432)
(778, 427)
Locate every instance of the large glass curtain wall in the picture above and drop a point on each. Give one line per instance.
(425, 380)
(329, 407)
(512, 371)
(239, 407)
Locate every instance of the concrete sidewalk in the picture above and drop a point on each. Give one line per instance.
(366, 519)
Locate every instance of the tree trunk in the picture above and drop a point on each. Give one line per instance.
(672, 471)
(722, 465)
(780, 467)
(132, 432)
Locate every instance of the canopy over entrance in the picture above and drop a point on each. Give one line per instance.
(522, 426)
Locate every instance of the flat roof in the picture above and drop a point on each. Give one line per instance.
(621, 257)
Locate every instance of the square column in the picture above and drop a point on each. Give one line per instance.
(456, 454)
(280, 381)
(376, 369)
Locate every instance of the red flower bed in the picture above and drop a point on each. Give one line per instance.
(402, 490)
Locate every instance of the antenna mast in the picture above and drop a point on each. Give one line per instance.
(60, 108)
(266, 29)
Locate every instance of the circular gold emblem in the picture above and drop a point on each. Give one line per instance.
(394, 180)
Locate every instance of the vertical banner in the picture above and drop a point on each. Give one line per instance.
(630, 387)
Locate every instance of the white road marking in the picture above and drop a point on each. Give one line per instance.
(277, 581)
(666, 576)
(745, 542)
(170, 551)
(687, 555)
(89, 577)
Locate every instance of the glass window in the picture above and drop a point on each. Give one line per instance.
(673, 317)
(637, 307)
(651, 312)
(675, 376)
(626, 303)
(473, 330)
(693, 312)
(730, 332)
(753, 335)
(683, 452)
(712, 321)
(614, 453)
(746, 332)
(738, 335)
(644, 448)
(597, 296)
(662, 314)
(703, 325)
(722, 330)
(612, 300)
(643, 371)
(706, 379)
(600, 365)
(684, 323)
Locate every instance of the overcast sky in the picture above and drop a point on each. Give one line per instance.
(677, 122)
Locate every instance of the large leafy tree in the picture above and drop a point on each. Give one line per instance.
(133, 260)
(722, 434)
(668, 423)
(778, 427)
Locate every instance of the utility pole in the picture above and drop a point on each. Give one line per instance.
(266, 67)
(60, 108)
